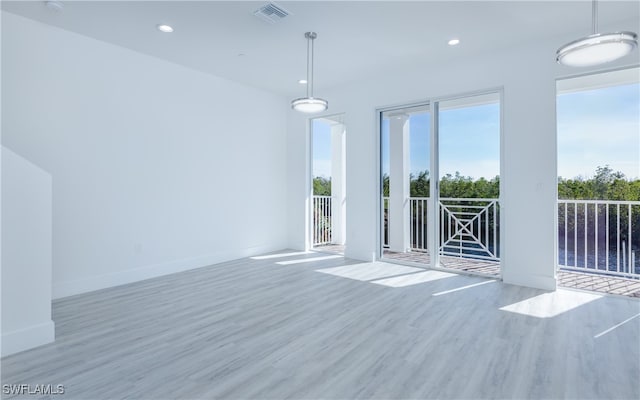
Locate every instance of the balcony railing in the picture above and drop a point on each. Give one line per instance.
(593, 235)
(468, 227)
(418, 229)
(418, 211)
(321, 220)
(385, 222)
(599, 236)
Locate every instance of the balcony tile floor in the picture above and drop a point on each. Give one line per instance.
(330, 248)
(489, 268)
(599, 283)
(566, 279)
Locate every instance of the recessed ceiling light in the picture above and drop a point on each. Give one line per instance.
(164, 28)
(453, 42)
(302, 81)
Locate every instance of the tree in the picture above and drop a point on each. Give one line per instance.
(605, 185)
(385, 185)
(456, 186)
(419, 186)
(321, 186)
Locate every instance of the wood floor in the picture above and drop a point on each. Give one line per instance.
(318, 326)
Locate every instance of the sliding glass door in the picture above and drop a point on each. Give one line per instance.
(455, 223)
(469, 183)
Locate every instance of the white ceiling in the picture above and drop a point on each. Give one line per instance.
(355, 39)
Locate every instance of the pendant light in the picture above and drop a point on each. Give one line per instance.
(310, 104)
(597, 48)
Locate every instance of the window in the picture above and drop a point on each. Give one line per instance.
(328, 207)
(599, 173)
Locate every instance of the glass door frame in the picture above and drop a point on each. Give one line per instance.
(433, 227)
(338, 118)
(379, 253)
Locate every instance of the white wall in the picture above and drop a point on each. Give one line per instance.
(527, 75)
(157, 168)
(26, 255)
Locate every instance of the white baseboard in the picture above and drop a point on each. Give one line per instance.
(27, 338)
(90, 284)
(533, 281)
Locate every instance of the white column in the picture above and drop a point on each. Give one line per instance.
(399, 183)
(338, 184)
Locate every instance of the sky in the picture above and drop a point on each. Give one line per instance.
(595, 128)
(321, 148)
(469, 142)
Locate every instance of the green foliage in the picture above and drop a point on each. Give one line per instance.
(458, 186)
(419, 186)
(605, 185)
(385, 185)
(450, 186)
(321, 186)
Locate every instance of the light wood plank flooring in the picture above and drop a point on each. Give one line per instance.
(334, 328)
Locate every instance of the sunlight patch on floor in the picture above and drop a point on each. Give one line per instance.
(369, 271)
(308, 260)
(413, 279)
(616, 326)
(552, 304)
(463, 287)
(281, 255)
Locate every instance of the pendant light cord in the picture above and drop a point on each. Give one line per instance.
(309, 66)
(594, 17)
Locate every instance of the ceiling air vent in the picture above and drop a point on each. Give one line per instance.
(271, 13)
